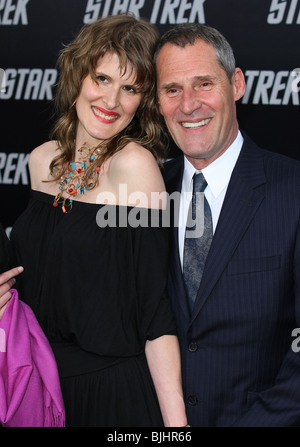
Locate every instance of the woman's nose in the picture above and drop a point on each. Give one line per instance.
(112, 98)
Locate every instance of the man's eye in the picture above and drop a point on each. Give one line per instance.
(172, 92)
(205, 85)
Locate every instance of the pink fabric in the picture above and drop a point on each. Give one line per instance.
(30, 394)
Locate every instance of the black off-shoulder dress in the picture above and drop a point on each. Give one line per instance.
(97, 284)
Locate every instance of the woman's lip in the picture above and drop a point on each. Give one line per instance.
(106, 112)
(105, 116)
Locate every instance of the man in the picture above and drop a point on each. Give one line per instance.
(240, 366)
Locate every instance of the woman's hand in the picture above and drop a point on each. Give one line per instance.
(7, 280)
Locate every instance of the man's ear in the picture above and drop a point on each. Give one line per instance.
(238, 83)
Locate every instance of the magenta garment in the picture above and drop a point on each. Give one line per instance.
(30, 394)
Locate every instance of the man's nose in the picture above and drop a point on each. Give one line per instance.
(190, 101)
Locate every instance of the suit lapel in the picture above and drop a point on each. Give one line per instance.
(243, 197)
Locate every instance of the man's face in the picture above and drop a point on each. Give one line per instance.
(197, 100)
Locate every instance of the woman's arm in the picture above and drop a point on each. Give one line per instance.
(163, 358)
(136, 167)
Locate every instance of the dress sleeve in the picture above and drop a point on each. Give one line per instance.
(151, 251)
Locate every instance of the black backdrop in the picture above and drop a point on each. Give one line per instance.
(264, 34)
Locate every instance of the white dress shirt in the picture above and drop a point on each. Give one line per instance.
(217, 175)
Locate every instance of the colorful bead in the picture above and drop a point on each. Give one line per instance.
(75, 174)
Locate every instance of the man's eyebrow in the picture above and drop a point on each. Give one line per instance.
(194, 80)
(169, 85)
(204, 78)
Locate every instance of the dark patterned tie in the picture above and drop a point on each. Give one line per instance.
(198, 237)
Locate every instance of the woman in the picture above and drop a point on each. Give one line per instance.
(97, 285)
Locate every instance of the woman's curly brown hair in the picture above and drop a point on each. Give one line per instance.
(134, 41)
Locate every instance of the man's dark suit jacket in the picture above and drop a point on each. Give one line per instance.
(240, 363)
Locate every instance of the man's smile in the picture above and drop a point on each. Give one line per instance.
(191, 125)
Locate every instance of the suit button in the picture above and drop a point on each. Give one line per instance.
(193, 346)
(192, 400)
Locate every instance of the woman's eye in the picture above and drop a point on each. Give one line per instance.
(129, 89)
(102, 78)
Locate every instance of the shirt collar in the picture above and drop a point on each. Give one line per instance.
(218, 173)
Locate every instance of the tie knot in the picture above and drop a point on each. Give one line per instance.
(199, 182)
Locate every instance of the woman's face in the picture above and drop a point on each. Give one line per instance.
(106, 107)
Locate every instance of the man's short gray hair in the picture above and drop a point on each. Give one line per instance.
(187, 34)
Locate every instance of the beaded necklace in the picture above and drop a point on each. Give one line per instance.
(72, 180)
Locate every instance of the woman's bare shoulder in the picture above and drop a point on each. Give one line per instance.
(135, 157)
(136, 167)
(39, 161)
(43, 152)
